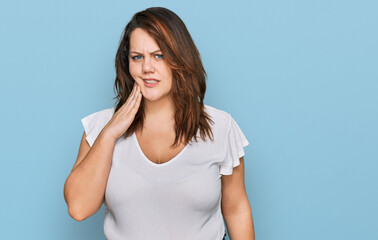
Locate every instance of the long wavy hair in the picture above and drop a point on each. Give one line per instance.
(188, 74)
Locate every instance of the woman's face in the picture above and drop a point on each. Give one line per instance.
(148, 67)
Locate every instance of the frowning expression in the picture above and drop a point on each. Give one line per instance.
(148, 67)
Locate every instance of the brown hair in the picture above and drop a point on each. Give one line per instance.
(188, 74)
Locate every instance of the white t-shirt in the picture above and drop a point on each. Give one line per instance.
(178, 199)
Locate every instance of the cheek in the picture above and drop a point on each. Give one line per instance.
(133, 70)
(168, 73)
(170, 77)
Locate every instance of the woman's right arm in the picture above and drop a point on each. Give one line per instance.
(84, 189)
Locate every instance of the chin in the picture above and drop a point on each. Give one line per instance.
(150, 96)
(151, 99)
(153, 96)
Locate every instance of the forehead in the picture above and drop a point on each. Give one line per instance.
(140, 40)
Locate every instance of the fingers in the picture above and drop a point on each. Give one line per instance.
(137, 103)
(133, 98)
(123, 118)
(136, 91)
(132, 95)
(128, 98)
(136, 94)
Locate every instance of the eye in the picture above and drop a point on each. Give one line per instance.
(159, 56)
(136, 57)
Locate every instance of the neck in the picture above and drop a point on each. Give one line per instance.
(162, 109)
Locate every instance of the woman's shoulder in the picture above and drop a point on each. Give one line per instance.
(220, 117)
(95, 122)
(103, 113)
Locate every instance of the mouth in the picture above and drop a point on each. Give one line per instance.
(150, 80)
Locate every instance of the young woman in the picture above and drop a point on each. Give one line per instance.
(166, 165)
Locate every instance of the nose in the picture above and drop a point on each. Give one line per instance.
(147, 65)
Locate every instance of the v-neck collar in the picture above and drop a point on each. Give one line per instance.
(151, 162)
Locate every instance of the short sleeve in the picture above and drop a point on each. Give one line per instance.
(235, 143)
(95, 122)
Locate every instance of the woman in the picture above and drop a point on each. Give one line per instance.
(161, 160)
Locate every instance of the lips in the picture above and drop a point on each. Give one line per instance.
(150, 79)
(150, 82)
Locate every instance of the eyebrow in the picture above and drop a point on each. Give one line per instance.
(150, 52)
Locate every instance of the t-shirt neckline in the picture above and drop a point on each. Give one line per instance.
(151, 162)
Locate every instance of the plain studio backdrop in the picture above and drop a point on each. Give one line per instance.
(300, 77)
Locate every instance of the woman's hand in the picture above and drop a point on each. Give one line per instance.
(123, 118)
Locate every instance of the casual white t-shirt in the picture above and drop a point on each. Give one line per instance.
(178, 199)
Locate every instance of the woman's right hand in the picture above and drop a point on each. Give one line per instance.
(123, 118)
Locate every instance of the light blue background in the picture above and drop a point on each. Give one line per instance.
(300, 78)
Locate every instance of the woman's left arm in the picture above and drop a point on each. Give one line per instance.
(235, 205)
